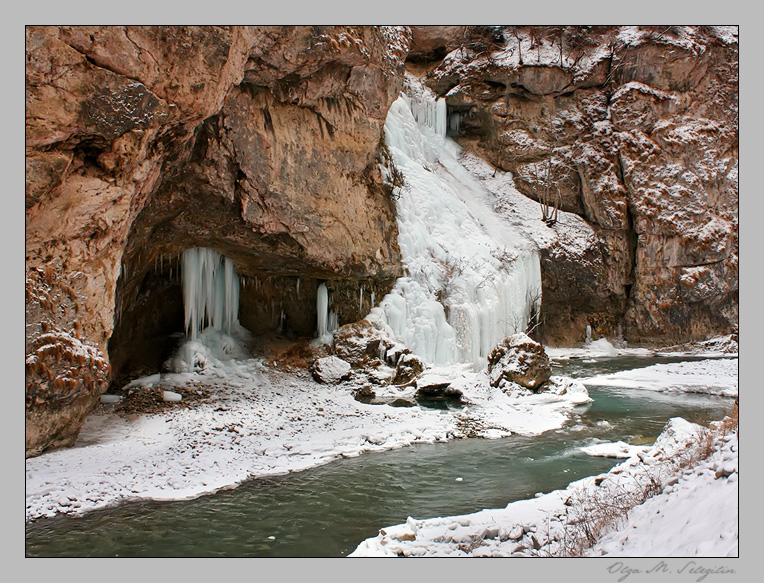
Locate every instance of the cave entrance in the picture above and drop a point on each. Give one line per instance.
(155, 311)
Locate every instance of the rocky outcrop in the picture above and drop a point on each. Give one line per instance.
(263, 143)
(520, 360)
(633, 128)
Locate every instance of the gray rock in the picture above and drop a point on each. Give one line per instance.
(330, 370)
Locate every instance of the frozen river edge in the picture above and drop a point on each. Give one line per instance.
(678, 498)
(260, 422)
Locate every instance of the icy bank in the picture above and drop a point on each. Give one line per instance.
(260, 422)
(549, 525)
(710, 376)
(472, 279)
(695, 517)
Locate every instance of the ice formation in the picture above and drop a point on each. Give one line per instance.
(211, 303)
(471, 279)
(327, 321)
(210, 291)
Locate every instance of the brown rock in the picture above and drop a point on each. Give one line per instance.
(359, 342)
(520, 360)
(641, 141)
(261, 142)
(409, 368)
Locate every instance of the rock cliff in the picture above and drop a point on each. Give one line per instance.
(633, 128)
(264, 143)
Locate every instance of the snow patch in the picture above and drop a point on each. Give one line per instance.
(709, 376)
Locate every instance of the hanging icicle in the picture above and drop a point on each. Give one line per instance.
(210, 291)
(327, 320)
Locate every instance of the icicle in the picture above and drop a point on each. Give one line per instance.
(360, 299)
(298, 287)
(373, 299)
(210, 291)
(327, 320)
(322, 309)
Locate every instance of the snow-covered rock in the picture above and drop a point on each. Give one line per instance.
(433, 385)
(521, 360)
(410, 366)
(171, 396)
(330, 370)
(359, 342)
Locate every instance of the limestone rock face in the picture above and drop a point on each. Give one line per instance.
(633, 128)
(263, 143)
(519, 359)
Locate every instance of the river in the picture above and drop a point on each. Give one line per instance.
(328, 510)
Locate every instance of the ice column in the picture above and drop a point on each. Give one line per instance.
(210, 291)
(327, 320)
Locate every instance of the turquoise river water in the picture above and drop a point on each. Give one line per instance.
(328, 510)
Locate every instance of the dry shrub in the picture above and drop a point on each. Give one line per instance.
(730, 423)
(298, 356)
(593, 510)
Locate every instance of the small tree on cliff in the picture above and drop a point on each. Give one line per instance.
(549, 193)
(548, 174)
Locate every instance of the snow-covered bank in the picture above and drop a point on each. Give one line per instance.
(710, 376)
(721, 346)
(259, 422)
(566, 522)
(697, 516)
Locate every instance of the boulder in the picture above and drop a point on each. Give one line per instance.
(358, 343)
(409, 367)
(519, 359)
(432, 386)
(330, 370)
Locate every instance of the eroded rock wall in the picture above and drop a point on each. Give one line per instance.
(261, 142)
(636, 130)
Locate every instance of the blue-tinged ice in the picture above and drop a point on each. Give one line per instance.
(471, 279)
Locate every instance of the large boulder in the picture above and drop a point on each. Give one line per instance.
(358, 343)
(436, 387)
(519, 359)
(409, 367)
(330, 370)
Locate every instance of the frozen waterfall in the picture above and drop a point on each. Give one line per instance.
(210, 291)
(471, 279)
